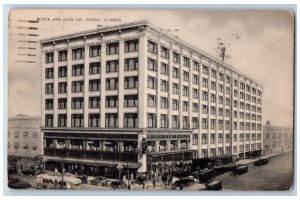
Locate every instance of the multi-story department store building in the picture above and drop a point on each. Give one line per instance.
(132, 94)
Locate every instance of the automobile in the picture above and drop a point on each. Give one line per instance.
(29, 172)
(82, 177)
(184, 182)
(12, 171)
(99, 180)
(118, 184)
(240, 169)
(15, 183)
(262, 161)
(204, 175)
(214, 185)
(224, 168)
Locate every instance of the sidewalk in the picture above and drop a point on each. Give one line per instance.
(247, 161)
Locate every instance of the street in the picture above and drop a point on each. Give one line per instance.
(277, 175)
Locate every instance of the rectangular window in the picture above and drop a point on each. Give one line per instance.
(220, 138)
(94, 102)
(77, 103)
(49, 88)
(25, 135)
(164, 121)
(185, 91)
(77, 70)
(94, 120)
(175, 88)
(77, 53)
(204, 109)
(213, 73)
(112, 83)
(95, 51)
(131, 82)
(130, 120)
(204, 138)
(195, 107)
(62, 87)
(49, 57)
(196, 94)
(176, 58)
(77, 120)
(175, 121)
(196, 79)
(196, 66)
(220, 124)
(185, 106)
(213, 98)
(131, 101)
(185, 122)
(62, 120)
(176, 72)
(152, 82)
(49, 73)
(195, 139)
(62, 55)
(131, 64)
(152, 64)
(164, 68)
(151, 100)
(212, 124)
(151, 120)
(164, 102)
(205, 70)
(94, 85)
(34, 146)
(221, 76)
(131, 46)
(112, 66)
(175, 104)
(112, 48)
(152, 47)
(221, 88)
(77, 86)
(16, 145)
(111, 120)
(204, 123)
(164, 86)
(205, 82)
(186, 62)
(186, 76)
(94, 68)
(48, 104)
(111, 101)
(49, 120)
(165, 53)
(62, 71)
(213, 110)
(62, 103)
(195, 122)
(204, 96)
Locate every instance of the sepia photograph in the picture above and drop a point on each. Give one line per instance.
(151, 99)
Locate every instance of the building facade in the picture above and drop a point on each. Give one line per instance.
(133, 94)
(24, 138)
(277, 139)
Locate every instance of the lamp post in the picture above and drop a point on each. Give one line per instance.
(119, 167)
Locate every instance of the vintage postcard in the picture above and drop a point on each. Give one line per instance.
(151, 99)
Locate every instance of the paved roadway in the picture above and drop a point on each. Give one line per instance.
(276, 175)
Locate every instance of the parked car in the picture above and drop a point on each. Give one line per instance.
(224, 168)
(29, 172)
(262, 161)
(240, 169)
(184, 182)
(214, 185)
(15, 183)
(99, 180)
(118, 184)
(204, 175)
(82, 177)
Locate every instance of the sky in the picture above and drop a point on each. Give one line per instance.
(259, 44)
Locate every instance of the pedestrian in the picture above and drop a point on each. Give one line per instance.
(143, 184)
(154, 186)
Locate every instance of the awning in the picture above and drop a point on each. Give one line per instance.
(93, 162)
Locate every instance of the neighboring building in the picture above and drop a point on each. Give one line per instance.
(133, 94)
(24, 138)
(277, 139)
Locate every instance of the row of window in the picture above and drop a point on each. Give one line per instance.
(77, 120)
(94, 102)
(94, 85)
(213, 151)
(25, 146)
(94, 51)
(212, 138)
(25, 135)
